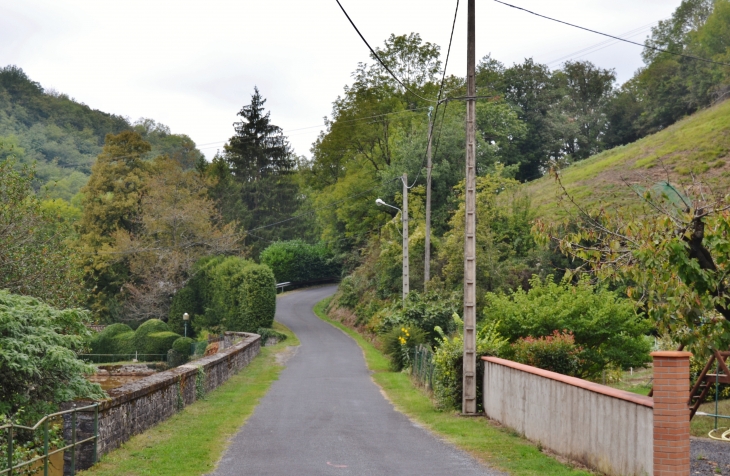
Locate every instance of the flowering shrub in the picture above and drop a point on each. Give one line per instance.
(556, 352)
(399, 343)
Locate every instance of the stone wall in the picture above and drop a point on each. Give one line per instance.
(137, 406)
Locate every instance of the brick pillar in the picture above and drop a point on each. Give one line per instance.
(671, 413)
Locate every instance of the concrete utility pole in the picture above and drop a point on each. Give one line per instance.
(427, 262)
(404, 217)
(469, 400)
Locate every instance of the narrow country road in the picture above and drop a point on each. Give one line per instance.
(325, 416)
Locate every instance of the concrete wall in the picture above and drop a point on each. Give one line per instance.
(604, 428)
(139, 405)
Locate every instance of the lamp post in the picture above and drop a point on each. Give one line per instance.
(404, 219)
(186, 318)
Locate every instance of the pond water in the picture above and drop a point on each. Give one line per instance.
(109, 382)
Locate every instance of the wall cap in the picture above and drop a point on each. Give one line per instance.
(575, 382)
(671, 354)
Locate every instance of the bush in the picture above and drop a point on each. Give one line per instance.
(38, 364)
(449, 363)
(104, 342)
(228, 293)
(257, 296)
(398, 344)
(267, 333)
(183, 345)
(426, 311)
(298, 262)
(151, 326)
(604, 326)
(158, 343)
(124, 343)
(556, 352)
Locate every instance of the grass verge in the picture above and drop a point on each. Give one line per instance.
(497, 447)
(192, 441)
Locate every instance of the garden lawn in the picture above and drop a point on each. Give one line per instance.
(497, 447)
(192, 441)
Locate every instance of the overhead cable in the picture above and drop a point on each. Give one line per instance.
(661, 50)
(378, 57)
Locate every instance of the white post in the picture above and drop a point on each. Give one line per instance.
(404, 217)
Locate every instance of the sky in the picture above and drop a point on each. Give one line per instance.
(193, 64)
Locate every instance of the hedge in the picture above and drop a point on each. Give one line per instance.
(227, 294)
(183, 345)
(104, 343)
(298, 262)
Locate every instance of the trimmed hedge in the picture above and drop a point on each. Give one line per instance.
(104, 343)
(227, 294)
(152, 337)
(298, 262)
(183, 345)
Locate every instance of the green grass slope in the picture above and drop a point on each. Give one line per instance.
(695, 147)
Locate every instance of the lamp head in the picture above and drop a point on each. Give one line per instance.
(186, 316)
(379, 202)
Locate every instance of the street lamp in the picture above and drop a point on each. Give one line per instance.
(404, 219)
(186, 318)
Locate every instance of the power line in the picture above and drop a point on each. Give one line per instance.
(378, 57)
(441, 90)
(662, 50)
(601, 45)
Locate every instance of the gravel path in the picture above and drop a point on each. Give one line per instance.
(710, 457)
(325, 416)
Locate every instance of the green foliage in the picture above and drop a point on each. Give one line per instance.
(556, 352)
(228, 293)
(183, 302)
(158, 343)
(449, 362)
(38, 364)
(428, 312)
(36, 257)
(258, 292)
(105, 341)
(183, 345)
(298, 262)
(267, 333)
(398, 344)
(605, 326)
(147, 328)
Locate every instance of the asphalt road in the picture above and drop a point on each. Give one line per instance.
(325, 416)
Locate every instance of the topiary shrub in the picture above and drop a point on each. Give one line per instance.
(183, 345)
(158, 343)
(146, 328)
(123, 344)
(257, 297)
(104, 343)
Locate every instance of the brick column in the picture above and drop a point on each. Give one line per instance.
(671, 413)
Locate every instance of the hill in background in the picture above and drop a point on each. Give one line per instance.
(62, 137)
(695, 146)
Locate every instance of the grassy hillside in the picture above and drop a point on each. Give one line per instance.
(62, 137)
(698, 145)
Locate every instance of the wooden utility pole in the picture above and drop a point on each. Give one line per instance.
(427, 262)
(404, 217)
(469, 399)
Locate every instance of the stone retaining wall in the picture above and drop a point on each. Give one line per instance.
(137, 406)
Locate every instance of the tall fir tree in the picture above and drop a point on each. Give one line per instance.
(261, 163)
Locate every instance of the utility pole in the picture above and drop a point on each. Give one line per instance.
(404, 217)
(469, 399)
(427, 262)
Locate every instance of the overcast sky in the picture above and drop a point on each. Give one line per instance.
(192, 64)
